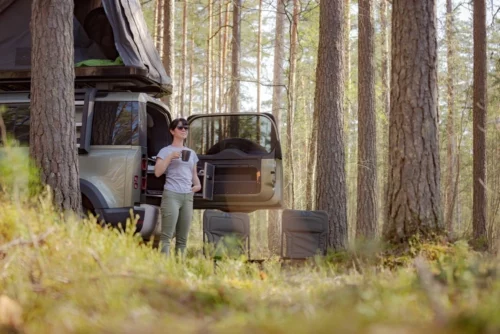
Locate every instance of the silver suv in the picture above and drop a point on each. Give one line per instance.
(120, 133)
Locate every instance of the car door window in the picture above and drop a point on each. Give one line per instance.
(115, 123)
(251, 134)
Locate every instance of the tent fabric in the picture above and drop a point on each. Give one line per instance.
(305, 233)
(132, 40)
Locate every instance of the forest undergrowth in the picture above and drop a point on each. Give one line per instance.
(62, 274)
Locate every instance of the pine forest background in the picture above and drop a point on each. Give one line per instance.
(202, 84)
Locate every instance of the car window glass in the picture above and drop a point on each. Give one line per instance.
(17, 122)
(252, 134)
(115, 123)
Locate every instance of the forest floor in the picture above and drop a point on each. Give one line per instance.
(62, 275)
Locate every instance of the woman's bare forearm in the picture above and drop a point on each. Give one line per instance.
(161, 166)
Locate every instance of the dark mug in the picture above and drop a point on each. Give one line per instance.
(185, 155)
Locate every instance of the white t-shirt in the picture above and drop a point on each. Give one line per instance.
(179, 174)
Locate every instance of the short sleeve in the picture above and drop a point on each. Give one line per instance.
(163, 153)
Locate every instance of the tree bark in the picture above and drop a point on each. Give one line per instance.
(169, 48)
(451, 150)
(159, 26)
(52, 130)
(479, 122)
(289, 168)
(224, 57)
(274, 230)
(385, 98)
(208, 68)
(347, 58)
(156, 21)
(329, 100)
(414, 199)
(183, 59)
(259, 56)
(367, 211)
(191, 66)
(236, 56)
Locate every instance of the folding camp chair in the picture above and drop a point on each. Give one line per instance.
(303, 234)
(219, 225)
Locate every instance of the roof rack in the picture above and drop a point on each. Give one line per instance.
(115, 78)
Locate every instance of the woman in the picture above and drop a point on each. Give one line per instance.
(181, 183)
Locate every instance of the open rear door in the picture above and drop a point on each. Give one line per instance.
(240, 163)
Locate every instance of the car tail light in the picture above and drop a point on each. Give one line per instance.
(144, 173)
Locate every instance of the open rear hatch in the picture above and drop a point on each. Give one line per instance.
(240, 161)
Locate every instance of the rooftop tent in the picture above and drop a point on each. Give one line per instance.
(103, 30)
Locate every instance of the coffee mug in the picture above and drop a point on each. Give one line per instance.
(185, 154)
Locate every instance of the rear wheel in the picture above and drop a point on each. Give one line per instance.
(87, 207)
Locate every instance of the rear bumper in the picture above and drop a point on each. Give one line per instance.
(119, 216)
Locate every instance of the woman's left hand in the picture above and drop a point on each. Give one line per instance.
(195, 189)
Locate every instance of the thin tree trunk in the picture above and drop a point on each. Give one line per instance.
(168, 48)
(191, 65)
(224, 56)
(414, 197)
(208, 68)
(213, 68)
(183, 59)
(274, 230)
(290, 196)
(347, 59)
(52, 131)
(329, 100)
(236, 56)
(259, 56)
(159, 27)
(479, 122)
(386, 98)
(367, 213)
(451, 150)
(157, 24)
(220, 86)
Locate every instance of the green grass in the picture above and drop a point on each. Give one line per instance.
(83, 278)
(73, 276)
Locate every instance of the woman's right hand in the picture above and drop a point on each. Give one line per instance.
(174, 155)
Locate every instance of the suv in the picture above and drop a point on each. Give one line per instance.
(119, 134)
(121, 125)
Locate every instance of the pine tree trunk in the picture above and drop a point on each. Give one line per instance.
(183, 59)
(367, 213)
(168, 48)
(156, 21)
(52, 123)
(259, 56)
(159, 27)
(451, 150)
(329, 100)
(414, 197)
(224, 57)
(289, 169)
(347, 59)
(220, 64)
(385, 98)
(191, 66)
(479, 122)
(208, 69)
(236, 56)
(274, 230)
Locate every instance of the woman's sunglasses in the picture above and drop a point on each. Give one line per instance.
(185, 127)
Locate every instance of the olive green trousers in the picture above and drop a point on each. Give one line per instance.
(176, 218)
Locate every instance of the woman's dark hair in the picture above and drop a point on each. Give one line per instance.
(176, 122)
